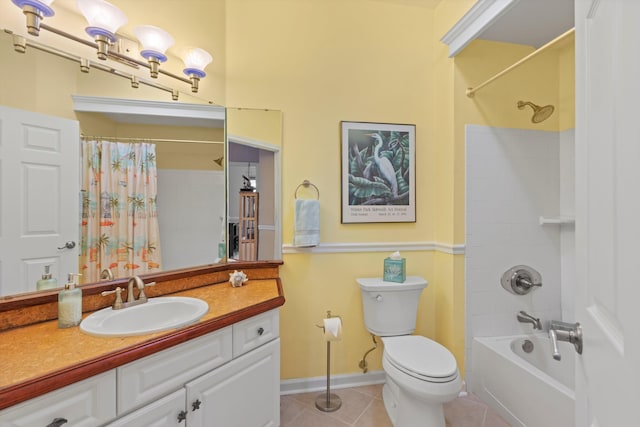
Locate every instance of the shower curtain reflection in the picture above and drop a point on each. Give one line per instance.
(119, 224)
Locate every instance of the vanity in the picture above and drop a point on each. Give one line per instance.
(222, 370)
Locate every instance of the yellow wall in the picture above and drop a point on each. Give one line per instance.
(260, 125)
(449, 269)
(321, 62)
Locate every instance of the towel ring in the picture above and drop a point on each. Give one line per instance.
(306, 183)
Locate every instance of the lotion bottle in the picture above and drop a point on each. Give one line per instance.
(47, 282)
(70, 304)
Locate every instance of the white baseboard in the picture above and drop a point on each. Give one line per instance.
(306, 385)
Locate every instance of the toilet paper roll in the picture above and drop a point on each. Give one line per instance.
(332, 329)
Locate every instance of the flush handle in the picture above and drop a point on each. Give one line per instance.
(260, 331)
(378, 297)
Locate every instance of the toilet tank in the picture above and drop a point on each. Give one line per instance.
(391, 308)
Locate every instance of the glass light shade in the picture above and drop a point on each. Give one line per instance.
(196, 60)
(43, 6)
(102, 15)
(155, 41)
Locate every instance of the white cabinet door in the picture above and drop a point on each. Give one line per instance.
(91, 402)
(166, 412)
(243, 393)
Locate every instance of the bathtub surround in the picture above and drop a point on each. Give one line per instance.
(567, 233)
(186, 224)
(513, 178)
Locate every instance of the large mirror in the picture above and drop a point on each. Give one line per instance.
(200, 176)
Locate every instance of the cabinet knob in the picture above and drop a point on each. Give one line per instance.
(57, 422)
(196, 405)
(260, 331)
(182, 416)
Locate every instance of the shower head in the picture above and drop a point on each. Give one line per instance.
(540, 114)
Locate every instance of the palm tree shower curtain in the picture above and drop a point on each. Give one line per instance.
(119, 219)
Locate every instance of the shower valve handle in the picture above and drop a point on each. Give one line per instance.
(521, 279)
(563, 331)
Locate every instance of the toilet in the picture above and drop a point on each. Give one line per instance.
(421, 375)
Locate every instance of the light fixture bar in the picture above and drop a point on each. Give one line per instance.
(94, 65)
(114, 54)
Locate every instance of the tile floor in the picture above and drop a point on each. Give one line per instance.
(363, 407)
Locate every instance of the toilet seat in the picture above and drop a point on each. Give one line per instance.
(421, 358)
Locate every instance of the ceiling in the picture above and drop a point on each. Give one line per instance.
(532, 22)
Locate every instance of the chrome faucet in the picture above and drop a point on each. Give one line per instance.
(524, 317)
(131, 300)
(139, 284)
(563, 331)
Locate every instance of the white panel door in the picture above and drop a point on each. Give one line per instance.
(607, 211)
(39, 198)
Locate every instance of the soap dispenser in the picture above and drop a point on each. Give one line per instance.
(70, 304)
(47, 282)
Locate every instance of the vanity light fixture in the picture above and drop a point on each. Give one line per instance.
(35, 10)
(104, 20)
(155, 42)
(195, 61)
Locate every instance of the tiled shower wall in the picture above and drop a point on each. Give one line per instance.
(514, 177)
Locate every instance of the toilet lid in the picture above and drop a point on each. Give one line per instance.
(421, 357)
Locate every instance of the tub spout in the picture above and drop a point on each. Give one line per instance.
(524, 317)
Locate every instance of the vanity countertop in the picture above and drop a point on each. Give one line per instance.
(39, 358)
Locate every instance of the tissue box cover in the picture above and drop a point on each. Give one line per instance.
(395, 270)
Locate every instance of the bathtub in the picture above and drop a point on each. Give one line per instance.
(526, 389)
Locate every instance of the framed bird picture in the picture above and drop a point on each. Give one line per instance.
(378, 172)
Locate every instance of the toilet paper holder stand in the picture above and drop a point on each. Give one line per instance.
(328, 402)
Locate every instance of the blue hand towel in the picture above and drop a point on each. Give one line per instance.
(306, 231)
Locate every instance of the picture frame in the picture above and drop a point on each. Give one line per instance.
(378, 172)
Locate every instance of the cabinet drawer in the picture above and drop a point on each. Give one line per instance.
(90, 402)
(255, 331)
(156, 375)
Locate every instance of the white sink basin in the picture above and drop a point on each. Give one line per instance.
(157, 314)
